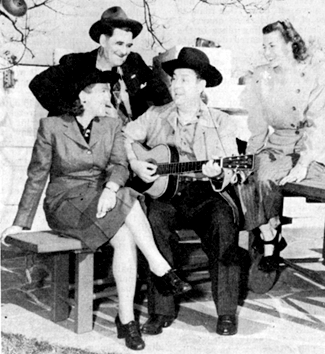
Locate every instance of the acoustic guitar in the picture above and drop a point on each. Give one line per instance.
(166, 158)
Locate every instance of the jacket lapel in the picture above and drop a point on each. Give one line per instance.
(96, 131)
(72, 131)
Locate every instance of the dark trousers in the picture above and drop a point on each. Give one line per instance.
(198, 207)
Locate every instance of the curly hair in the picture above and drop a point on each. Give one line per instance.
(289, 34)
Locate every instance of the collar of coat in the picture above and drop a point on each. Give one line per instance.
(71, 130)
(207, 117)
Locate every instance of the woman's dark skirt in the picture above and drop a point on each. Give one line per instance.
(76, 217)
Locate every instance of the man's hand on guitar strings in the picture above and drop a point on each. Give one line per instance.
(145, 170)
(211, 169)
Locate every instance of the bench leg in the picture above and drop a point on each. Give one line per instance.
(60, 287)
(84, 283)
(323, 252)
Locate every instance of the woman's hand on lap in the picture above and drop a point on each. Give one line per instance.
(106, 202)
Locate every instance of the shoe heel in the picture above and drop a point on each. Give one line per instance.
(121, 333)
(131, 333)
(282, 245)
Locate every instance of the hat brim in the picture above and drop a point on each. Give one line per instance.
(101, 26)
(209, 73)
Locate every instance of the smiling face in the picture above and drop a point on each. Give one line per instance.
(186, 87)
(96, 100)
(276, 51)
(117, 47)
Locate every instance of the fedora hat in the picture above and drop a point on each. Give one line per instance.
(113, 17)
(195, 59)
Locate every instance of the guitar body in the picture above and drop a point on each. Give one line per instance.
(166, 158)
(164, 187)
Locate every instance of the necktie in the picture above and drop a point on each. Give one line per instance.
(121, 97)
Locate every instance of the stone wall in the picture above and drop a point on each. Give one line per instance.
(19, 117)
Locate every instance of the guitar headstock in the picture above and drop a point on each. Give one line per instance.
(240, 162)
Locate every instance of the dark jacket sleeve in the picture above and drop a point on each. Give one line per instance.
(54, 87)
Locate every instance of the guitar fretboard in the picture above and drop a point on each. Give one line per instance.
(180, 167)
(236, 162)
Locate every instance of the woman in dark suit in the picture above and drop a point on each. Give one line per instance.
(84, 156)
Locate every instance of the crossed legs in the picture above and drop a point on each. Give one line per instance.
(135, 232)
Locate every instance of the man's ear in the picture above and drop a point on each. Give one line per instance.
(102, 40)
(202, 85)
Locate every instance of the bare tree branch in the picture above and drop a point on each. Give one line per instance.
(248, 7)
(23, 31)
(148, 20)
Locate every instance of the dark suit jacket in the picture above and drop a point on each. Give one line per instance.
(54, 87)
(74, 166)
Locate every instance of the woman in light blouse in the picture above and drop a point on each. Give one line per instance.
(285, 100)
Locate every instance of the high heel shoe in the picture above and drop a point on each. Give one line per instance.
(270, 264)
(171, 284)
(131, 333)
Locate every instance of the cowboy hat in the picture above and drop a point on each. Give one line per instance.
(195, 59)
(113, 17)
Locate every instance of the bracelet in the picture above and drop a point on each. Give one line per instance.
(108, 187)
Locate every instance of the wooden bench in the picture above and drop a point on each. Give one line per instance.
(314, 192)
(51, 243)
(60, 248)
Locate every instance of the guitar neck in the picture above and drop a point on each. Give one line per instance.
(181, 167)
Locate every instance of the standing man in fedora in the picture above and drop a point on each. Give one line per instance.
(135, 91)
(205, 201)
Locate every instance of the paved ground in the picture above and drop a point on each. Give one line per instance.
(289, 319)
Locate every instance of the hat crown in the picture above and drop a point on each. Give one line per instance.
(114, 13)
(193, 56)
(197, 60)
(114, 17)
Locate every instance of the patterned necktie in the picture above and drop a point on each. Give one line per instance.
(118, 102)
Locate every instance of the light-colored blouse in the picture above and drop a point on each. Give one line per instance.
(293, 105)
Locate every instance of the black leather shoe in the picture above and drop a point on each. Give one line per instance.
(227, 325)
(270, 264)
(131, 333)
(156, 323)
(171, 284)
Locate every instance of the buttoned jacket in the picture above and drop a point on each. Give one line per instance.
(54, 87)
(294, 107)
(73, 166)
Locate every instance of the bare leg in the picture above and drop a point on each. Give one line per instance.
(125, 272)
(138, 224)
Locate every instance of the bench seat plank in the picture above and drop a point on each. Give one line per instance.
(44, 242)
(311, 190)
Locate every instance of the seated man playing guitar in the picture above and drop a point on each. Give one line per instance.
(187, 187)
